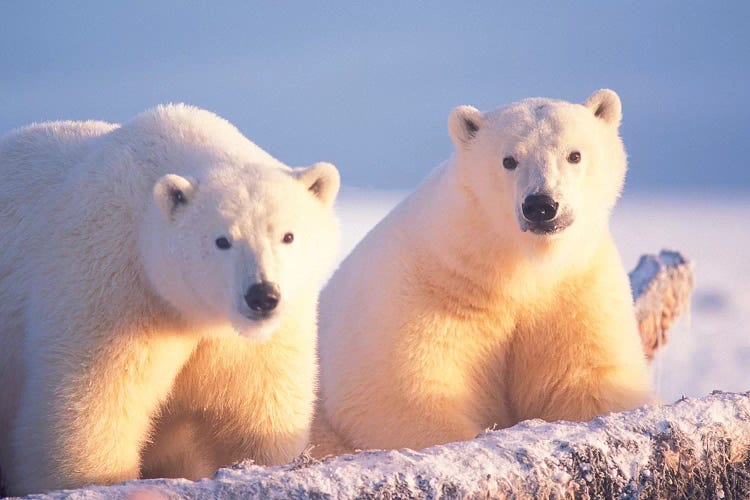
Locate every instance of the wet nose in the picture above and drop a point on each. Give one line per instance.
(263, 297)
(539, 208)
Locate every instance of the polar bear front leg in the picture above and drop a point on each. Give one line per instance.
(175, 450)
(411, 404)
(237, 400)
(86, 409)
(581, 359)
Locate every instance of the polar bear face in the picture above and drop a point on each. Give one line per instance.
(241, 244)
(551, 169)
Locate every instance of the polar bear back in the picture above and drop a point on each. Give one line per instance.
(40, 156)
(36, 161)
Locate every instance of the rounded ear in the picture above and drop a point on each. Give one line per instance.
(322, 180)
(171, 192)
(463, 124)
(606, 105)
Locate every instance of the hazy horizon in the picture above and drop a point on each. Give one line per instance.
(369, 88)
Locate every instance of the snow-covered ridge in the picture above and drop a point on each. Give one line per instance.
(651, 265)
(695, 447)
(662, 287)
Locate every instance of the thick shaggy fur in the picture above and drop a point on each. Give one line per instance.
(111, 281)
(451, 317)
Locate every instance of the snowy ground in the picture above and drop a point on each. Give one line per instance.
(691, 449)
(709, 351)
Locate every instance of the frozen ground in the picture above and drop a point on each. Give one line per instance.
(695, 448)
(712, 349)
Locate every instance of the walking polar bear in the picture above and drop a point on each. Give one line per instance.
(130, 252)
(492, 294)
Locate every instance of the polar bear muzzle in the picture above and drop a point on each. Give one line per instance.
(539, 208)
(541, 215)
(262, 298)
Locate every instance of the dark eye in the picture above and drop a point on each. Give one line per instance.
(178, 197)
(288, 238)
(574, 157)
(510, 163)
(223, 243)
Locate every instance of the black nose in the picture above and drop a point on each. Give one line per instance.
(263, 297)
(539, 208)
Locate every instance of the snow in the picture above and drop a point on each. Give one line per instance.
(627, 451)
(649, 265)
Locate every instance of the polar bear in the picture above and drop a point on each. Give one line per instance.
(129, 251)
(493, 294)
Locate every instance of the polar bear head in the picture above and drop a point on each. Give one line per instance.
(232, 234)
(552, 170)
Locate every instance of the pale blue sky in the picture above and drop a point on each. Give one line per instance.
(369, 85)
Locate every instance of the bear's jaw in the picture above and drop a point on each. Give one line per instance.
(253, 326)
(547, 228)
(257, 331)
(259, 317)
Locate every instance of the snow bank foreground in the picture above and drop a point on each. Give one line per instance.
(695, 447)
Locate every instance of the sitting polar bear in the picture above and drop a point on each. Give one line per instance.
(492, 294)
(130, 251)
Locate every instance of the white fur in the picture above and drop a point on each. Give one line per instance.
(107, 286)
(450, 317)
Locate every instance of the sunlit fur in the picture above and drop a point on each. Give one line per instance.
(448, 319)
(107, 288)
